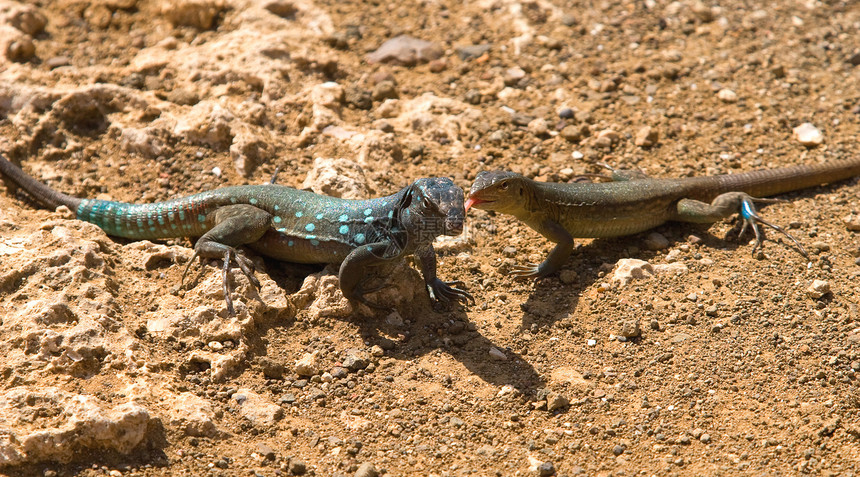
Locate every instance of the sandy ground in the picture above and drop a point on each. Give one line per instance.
(725, 364)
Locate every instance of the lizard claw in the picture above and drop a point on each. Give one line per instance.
(529, 270)
(752, 219)
(446, 292)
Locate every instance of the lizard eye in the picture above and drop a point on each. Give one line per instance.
(503, 185)
(426, 203)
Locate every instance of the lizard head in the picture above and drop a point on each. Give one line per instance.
(501, 191)
(439, 204)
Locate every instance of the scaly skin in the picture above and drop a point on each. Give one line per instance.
(287, 224)
(634, 203)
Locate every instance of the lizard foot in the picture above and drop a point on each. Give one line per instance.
(245, 265)
(529, 270)
(446, 292)
(752, 220)
(357, 294)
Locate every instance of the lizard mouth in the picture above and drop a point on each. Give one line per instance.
(472, 201)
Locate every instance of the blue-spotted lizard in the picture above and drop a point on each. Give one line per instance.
(287, 224)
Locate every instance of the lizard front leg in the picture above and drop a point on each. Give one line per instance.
(556, 258)
(439, 290)
(724, 205)
(235, 225)
(353, 271)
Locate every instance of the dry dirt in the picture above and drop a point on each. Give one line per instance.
(738, 369)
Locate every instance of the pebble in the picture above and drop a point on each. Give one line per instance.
(366, 469)
(497, 354)
(565, 113)
(339, 372)
(656, 241)
(573, 133)
(513, 76)
(538, 127)
(808, 135)
(727, 96)
(852, 222)
(705, 438)
(308, 364)
(298, 467)
(546, 469)
(355, 360)
(471, 52)
(818, 289)
(407, 51)
(630, 329)
(618, 450)
(606, 138)
(556, 401)
(567, 276)
(57, 61)
(646, 137)
(384, 90)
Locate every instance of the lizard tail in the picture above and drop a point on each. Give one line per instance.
(768, 182)
(41, 192)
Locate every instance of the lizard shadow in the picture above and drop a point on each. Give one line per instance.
(419, 329)
(551, 300)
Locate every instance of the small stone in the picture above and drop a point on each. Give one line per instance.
(308, 365)
(183, 97)
(568, 19)
(546, 469)
(377, 351)
(271, 368)
(21, 49)
(618, 450)
(471, 52)
(854, 59)
(705, 438)
(298, 467)
(266, 451)
(572, 133)
(200, 14)
(358, 98)
(808, 135)
(656, 241)
(608, 135)
(366, 469)
(339, 372)
(281, 8)
(384, 90)
(57, 62)
(406, 50)
(538, 127)
(727, 96)
(556, 401)
(852, 222)
(497, 354)
(818, 289)
(565, 113)
(646, 137)
(356, 359)
(513, 76)
(438, 66)
(630, 329)
(567, 276)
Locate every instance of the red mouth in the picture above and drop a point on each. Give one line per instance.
(471, 201)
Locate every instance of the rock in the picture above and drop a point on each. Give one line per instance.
(556, 401)
(183, 96)
(48, 424)
(248, 151)
(356, 359)
(272, 369)
(337, 178)
(852, 222)
(208, 124)
(359, 98)
(546, 469)
(192, 416)
(808, 135)
(630, 329)
(607, 138)
(568, 276)
(497, 354)
(513, 76)
(727, 96)
(298, 467)
(646, 137)
(629, 269)
(366, 470)
(281, 8)
(384, 90)
(309, 364)
(538, 127)
(16, 46)
(23, 17)
(854, 59)
(407, 51)
(379, 150)
(656, 241)
(818, 289)
(145, 142)
(574, 133)
(200, 14)
(257, 409)
(705, 438)
(471, 52)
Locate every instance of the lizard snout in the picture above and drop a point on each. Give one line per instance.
(454, 225)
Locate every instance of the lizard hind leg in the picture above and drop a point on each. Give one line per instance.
(235, 225)
(723, 206)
